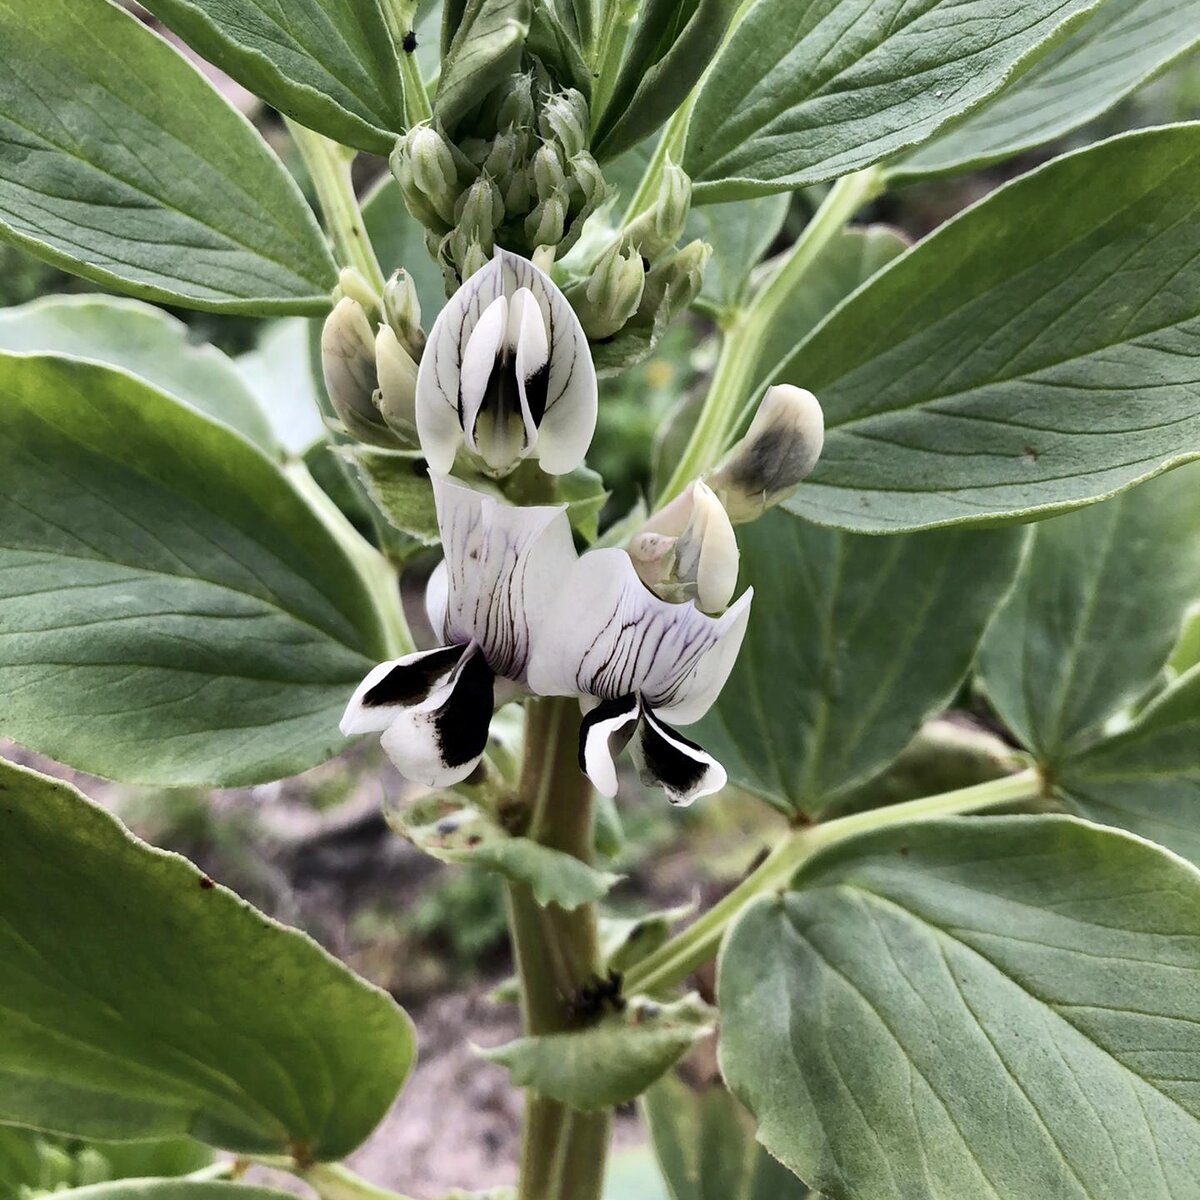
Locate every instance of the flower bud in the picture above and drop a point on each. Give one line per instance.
(688, 551)
(589, 181)
(503, 156)
(351, 283)
(673, 283)
(548, 174)
(661, 225)
(546, 223)
(348, 364)
(565, 119)
(611, 294)
(479, 211)
(397, 375)
(402, 310)
(518, 192)
(780, 448)
(425, 167)
(516, 107)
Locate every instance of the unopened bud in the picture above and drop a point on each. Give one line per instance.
(688, 551)
(589, 180)
(611, 294)
(518, 192)
(516, 108)
(425, 166)
(780, 448)
(480, 210)
(397, 375)
(661, 225)
(402, 310)
(545, 224)
(503, 155)
(674, 282)
(348, 364)
(548, 174)
(565, 119)
(351, 283)
(475, 258)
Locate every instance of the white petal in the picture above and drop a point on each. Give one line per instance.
(440, 742)
(401, 683)
(603, 734)
(707, 551)
(436, 598)
(483, 348)
(504, 570)
(531, 352)
(439, 375)
(608, 635)
(682, 769)
(569, 420)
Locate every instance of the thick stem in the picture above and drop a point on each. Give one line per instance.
(400, 16)
(741, 349)
(328, 166)
(697, 944)
(556, 954)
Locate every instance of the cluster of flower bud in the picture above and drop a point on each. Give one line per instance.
(370, 348)
(641, 281)
(521, 178)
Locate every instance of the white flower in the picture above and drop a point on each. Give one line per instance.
(507, 371)
(641, 660)
(501, 574)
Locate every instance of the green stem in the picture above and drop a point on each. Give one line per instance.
(328, 166)
(331, 1181)
(697, 944)
(556, 953)
(400, 16)
(375, 571)
(748, 329)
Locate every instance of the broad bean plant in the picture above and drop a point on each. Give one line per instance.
(913, 475)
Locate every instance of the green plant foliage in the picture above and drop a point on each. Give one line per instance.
(801, 94)
(399, 241)
(859, 640)
(279, 374)
(148, 343)
(172, 610)
(1030, 356)
(922, 988)
(330, 64)
(1121, 45)
(739, 234)
(121, 163)
(484, 47)
(612, 1061)
(143, 1001)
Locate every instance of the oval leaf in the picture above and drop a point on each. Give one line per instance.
(805, 92)
(1036, 353)
(1114, 51)
(171, 610)
(879, 634)
(148, 343)
(1004, 1007)
(143, 1001)
(121, 163)
(330, 64)
(1096, 610)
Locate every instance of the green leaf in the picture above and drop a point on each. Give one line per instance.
(121, 163)
(399, 241)
(739, 234)
(842, 265)
(704, 1141)
(1146, 778)
(279, 374)
(1034, 354)
(457, 831)
(398, 482)
(172, 611)
(148, 343)
(855, 641)
(485, 48)
(1005, 1007)
(611, 1062)
(801, 93)
(1186, 653)
(627, 940)
(141, 1159)
(1121, 45)
(551, 41)
(1096, 609)
(22, 1164)
(143, 1001)
(169, 1189)
(329, 64)
(671, 45)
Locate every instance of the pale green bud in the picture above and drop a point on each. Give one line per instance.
(397, 374)
(424, 165)
(688, 551)
(589, 179)
(780, 448)
(545, 224)
(565, 119)
(661, 225)
(402, 310)
(516, 108)
(674, 282)
(504, 155)
(518, 192)
(352, 284)
(480, 209)
(611, 294)
(348, 364)
(548, 174)
(474, 259)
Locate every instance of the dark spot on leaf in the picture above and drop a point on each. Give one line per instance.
(206, 883)
(1029, 454)
(474, 840)
(903, 851)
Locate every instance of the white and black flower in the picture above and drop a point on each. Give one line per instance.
(502, 570)
(640, 661)
(507, 371)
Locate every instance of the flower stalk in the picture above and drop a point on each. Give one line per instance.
(696, 945)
